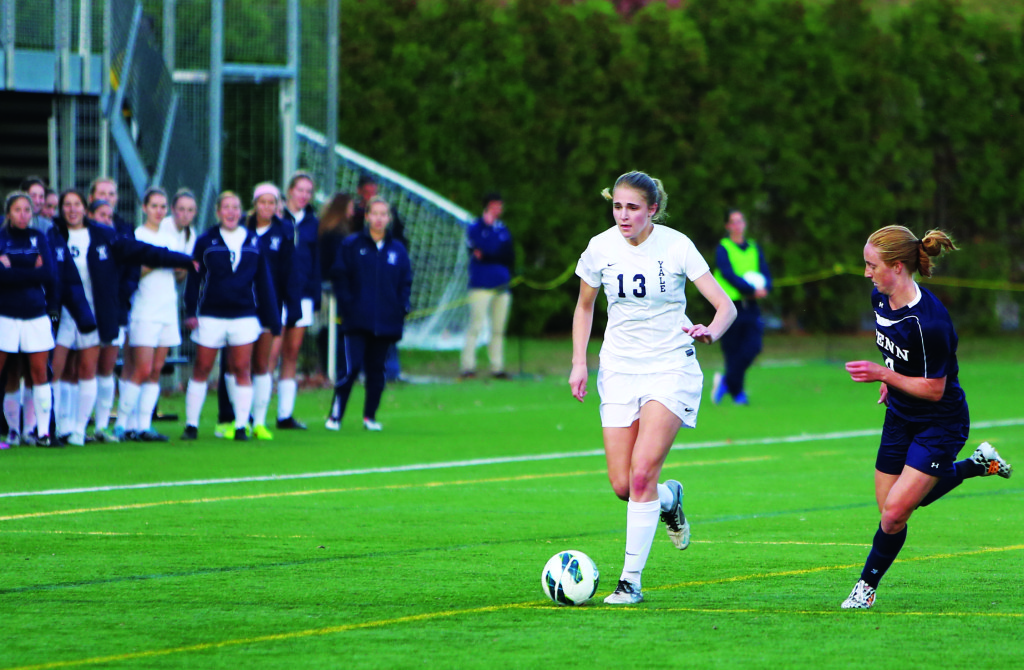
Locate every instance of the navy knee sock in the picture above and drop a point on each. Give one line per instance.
(965, 469)
(884, 550)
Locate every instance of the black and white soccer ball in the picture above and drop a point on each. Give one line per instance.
(570, 578)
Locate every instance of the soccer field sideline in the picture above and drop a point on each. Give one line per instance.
(444, 465)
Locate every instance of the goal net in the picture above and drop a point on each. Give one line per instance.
(435, 228)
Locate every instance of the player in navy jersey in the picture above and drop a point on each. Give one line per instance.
(926, 420)
(649, 380)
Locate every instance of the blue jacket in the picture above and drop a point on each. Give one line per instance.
(130, 275)
(306, 264)
(67, 290)
(494, 269)
(108, 256)
(217, 290)
(278, 246)
(373, 286)
(23, 286)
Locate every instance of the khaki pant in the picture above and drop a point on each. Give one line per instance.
(482, 301)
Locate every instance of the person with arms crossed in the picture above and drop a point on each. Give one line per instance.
(649, 380)
(926, 416)
(26, 272)
(742, 271)
(492, 256)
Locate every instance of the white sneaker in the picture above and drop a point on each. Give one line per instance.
(861, 598)
(13, 438)
(626, 593)
(676, 525)
(332, 424)
(370, 424)
(987, 457)
(76, 439)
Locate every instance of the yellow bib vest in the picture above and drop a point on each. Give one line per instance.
(742, 261)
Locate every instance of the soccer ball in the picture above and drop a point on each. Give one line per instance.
(755, 279)
(570, 578)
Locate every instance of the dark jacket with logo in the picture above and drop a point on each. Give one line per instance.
(373, 286)
(108, 256)
(224, 292)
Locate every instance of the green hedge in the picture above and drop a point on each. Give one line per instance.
(818, 121)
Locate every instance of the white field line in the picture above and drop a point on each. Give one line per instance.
(713, 444)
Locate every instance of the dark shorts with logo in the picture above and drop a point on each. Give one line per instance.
(929, 446)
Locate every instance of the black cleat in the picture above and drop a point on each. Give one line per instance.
(48, 441)
(191, 433)
(241, 435)
(290, 424)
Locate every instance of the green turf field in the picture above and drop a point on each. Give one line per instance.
(422, 546)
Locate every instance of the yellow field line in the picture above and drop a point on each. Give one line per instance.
(430, 616)
(354, 489)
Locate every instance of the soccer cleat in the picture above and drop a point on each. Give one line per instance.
(131, 436)
(260, 432)
(48, 442)
(987, 457)
(76, 439)
(191, 433)
(741, 398)
(224, 429)
(29, 439)
(861, 598)
(467, 374)
(501, 375)
(242, 434)
(626, 593)
(106, 435)
(675, 521)
(13, 438)
(332, 424)
(717, 388)
(370, 424)
(152, 436)
(290, 424)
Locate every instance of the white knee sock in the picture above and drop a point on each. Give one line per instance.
(242, 405)
(60, 403)
(195, 394)
(665, 497)
(41, 394)
(28, 411)
(262, 385)
(104, 400)
(286, 390)
(128, 404)
(12, 410)
(231, 382)
(641, 524)
(86, 403)
(148, 398)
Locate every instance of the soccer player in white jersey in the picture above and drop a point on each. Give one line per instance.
(649, 380)
(152, 327)
(926, 416)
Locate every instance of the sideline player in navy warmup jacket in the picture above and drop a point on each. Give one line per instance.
(226, 300)
(926, 420)
(299, 213)
(26, 270)
(372, 279)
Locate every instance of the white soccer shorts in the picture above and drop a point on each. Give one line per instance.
(69, 337)
(152, 334)
(27, 336)
(622, 395)
(216, 333)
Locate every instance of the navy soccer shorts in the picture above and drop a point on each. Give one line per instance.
(929, 446)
